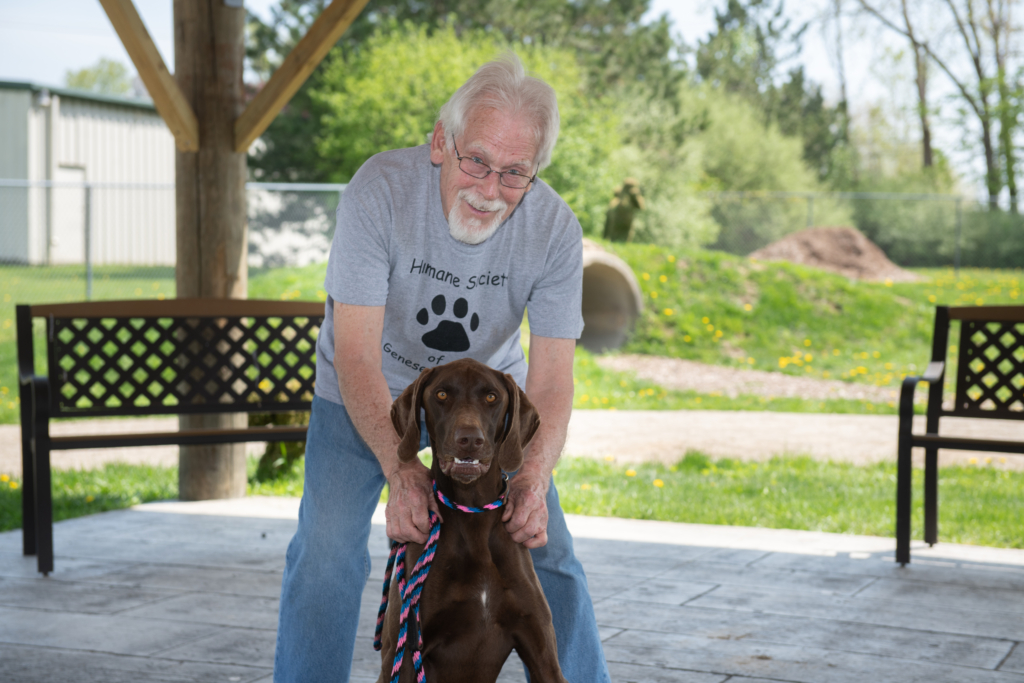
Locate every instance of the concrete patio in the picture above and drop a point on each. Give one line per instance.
(189, 592)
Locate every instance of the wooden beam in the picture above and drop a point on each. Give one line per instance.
(167, 97)
(295, 69)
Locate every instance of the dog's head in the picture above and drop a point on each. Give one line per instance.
(474, 416)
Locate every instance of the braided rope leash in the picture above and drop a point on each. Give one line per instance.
(413, 589)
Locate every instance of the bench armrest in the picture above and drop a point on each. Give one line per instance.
(934, 372)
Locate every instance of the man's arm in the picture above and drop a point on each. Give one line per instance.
(549, 387)
(357, 359)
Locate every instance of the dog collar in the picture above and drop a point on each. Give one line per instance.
(465, 508)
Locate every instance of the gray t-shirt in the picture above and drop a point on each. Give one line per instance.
(443, 299)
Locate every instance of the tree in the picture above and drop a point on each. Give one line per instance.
(982, 32)
(107, 76)
(752, 42)
(386, 95)
(612, 47)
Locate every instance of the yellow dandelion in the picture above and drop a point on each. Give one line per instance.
(609, 458)
(687, 338)
(747, 307)
(876, 354)
(585, 397)
(1002, 461)
(160, 296)
(659, 483)
(888, 282)
(663, 278)
(668, 311)
(630, 473)
(89, 499)
(671, 258)
(646, 276)
(554, 472)
(138, 291)
(750, 361)
(4, 478)
(807, 342)
(835, 352)
(4, 390)
(13, 485)
(979, 302)
(931, 298)
(654, 295)
(808, 358)
(711, 328)
(698, 399)
(584, 487)
(623, 383)
(156, 286)
(705, 320)
(973, 461)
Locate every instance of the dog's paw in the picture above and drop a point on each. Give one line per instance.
(449, 335)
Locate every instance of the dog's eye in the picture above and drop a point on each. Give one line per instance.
(491, 397)
(442, 395)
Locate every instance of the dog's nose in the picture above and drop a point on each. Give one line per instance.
(469, 438)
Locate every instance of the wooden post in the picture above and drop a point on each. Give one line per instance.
(210, 204)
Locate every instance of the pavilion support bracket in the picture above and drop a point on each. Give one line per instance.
(295, 69)
(167, 97)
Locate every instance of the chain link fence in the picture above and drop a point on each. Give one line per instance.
(73, 241)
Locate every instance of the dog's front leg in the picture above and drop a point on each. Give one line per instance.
(535, 643)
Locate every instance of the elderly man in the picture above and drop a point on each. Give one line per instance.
(438, 251)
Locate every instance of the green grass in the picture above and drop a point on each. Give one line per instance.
(770, 316)
(597, 388)
(77, 493)
(729, 310)
(980, 505)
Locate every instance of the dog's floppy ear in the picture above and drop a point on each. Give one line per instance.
(405, 416)
(521, 423)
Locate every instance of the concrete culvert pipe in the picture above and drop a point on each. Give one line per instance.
(611, 299)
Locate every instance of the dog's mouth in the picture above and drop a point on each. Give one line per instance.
(464, 470)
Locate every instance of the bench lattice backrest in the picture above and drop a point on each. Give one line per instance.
(990, 365)
(229, 356)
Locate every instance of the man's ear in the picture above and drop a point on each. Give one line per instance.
(522, 421)
(438, 144)
(405, 416)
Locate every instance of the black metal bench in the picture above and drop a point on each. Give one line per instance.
(178, 356)
(989, 384)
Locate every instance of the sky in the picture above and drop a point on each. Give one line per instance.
(40, 40)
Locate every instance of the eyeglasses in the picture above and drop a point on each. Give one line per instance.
(476, 168)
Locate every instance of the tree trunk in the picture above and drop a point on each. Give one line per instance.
(210, 205)
(921, 63)
(993, 181)
(1007, 123)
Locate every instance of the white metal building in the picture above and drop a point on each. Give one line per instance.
(65, 151)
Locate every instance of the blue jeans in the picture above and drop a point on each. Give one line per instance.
(328, 563)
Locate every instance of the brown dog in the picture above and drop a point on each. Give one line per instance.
(482, 597)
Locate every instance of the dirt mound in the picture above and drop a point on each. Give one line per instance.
(841, 250)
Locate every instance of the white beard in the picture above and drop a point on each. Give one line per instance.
(474, 230)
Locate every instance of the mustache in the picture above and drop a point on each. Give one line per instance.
(480, 203)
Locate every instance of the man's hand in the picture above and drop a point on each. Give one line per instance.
(526, 510)
(410, 497)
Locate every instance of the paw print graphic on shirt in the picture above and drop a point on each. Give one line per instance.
(448, 335)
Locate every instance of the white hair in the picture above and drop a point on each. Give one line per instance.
(503, 85)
